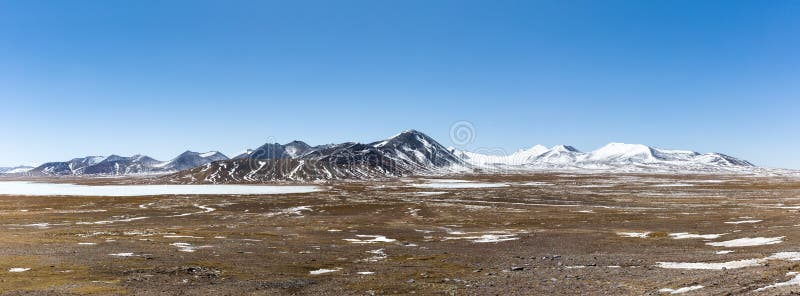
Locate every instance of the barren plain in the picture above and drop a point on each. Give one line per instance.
(534, 234)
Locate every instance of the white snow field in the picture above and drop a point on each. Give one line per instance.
(613, 157)
(748, 242)
(681, 290)
(51, 189)
(458, 185)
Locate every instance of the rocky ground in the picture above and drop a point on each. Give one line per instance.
(538, 234)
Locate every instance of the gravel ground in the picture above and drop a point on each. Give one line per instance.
(537, 234)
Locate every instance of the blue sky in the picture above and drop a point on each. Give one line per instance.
(160, 77)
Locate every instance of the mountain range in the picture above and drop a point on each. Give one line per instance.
(614, 157)
(408, 153)
(15, 170)
(121, 165)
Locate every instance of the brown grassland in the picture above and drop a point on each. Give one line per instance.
(543, 234)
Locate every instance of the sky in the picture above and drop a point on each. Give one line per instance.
(119, 77)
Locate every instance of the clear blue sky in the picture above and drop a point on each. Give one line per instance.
(160, 77)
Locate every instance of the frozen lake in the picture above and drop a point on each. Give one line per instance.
(44, 189)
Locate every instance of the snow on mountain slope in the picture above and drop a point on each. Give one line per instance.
(74, 166)
(15, 170)
(295, 149)
(122, 165)
(612, 157)
(190, 159)
(720, 159)
(517, 158)
(559, 155)
(416, 150)
(211, 154)
(408, 153)
(633, 153)
(244, 154)
(292, 149)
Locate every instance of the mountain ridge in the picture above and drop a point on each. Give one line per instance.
(407, 153)
(612, 156)
(122, 165)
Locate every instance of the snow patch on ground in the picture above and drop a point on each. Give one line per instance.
(18, 269)
(365, 272)
(48, 189)
(373, 239)
(44, 225)
(447, 181)
(181, 236)
(595, 186)
(205, 209)
(711, 266)
(686, 235)
(187, 247)
(104, 222)
(681, 290)
(380, 254)
(323, 271)
(493, 238)
(536, 184)
(743, 222)
(452, 185)
(293, 211)
(748, 242)
(429, 193)
(634, 234)
(795, 281)
(787, 256)
(483, 237)
(674, 185)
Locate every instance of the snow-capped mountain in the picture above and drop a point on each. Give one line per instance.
(75, 166)
(119, 165)
(15, 170)
(408, 153)
(634, 153)
(415, 150)
(560, 154)
(244, 154)
(483, 159)
(122, 165)
(190, 159)
(613, 157)
(293, 149)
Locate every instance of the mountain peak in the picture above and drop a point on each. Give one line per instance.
(410, 131)
(617, 148)
(296, 142)
(564, 148)
(406, 136)
(536, 149)
(296, 148)
(211, 153)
